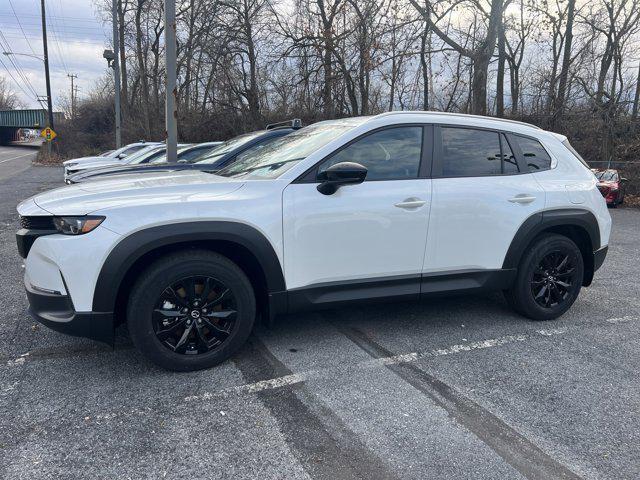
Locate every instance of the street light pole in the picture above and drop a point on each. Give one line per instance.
(46, 69)
(171, 113)
(116, 70)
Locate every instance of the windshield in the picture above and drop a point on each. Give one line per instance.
(278, 157)
(607, 176)
(142, 155)
(229, 146)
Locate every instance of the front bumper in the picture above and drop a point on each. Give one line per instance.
(56, 311)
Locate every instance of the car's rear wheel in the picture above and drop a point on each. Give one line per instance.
(549, 278)
(191, 310)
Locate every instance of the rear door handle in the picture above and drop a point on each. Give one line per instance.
(411, 203)
(522, 198)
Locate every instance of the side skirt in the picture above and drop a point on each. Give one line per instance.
(405, 288)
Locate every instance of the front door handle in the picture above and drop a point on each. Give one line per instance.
(522, 198)
(411, 203)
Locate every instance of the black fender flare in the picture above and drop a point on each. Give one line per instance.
(134, 246)
(540, 221)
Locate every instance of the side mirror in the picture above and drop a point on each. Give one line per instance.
(343, 173)
(121, 156)
(182, 161)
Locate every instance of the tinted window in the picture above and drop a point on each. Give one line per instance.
(509, 163)
(391, 154)
(534, 154)
(470, 153)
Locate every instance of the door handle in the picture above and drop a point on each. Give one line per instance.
(522, 198)
(411, 203)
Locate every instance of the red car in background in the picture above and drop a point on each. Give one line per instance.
(611, 186)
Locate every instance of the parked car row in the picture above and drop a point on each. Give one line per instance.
(147, 158)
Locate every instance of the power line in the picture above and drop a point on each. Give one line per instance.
(18, 70)
(29, 95)
(21, 29)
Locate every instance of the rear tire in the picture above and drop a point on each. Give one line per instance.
(549, 278)
(191, 310)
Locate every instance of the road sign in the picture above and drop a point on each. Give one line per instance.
(48, 134)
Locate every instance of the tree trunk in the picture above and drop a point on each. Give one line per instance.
(425, 69)
(636, 98)
(500, 74)
(566, 60)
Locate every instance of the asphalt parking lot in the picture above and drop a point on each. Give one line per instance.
(453, 388)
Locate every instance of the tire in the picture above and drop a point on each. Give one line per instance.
(158, 315)
(532, 281)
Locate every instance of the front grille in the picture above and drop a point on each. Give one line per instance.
(37, 223)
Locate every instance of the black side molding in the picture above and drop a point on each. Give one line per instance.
(136, 245)
(405, 288)
(538, 222)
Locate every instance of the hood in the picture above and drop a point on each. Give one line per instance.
(82, 160)
(98, 163)
(124, 190)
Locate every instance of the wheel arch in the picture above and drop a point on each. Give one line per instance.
(580, 225)
(241, 243)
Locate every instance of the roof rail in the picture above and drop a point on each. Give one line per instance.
(464, 115)
(294, 123)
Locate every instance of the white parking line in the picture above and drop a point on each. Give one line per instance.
(625, 319)
(14, 158)
(295, 378)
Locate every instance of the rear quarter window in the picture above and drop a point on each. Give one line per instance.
(535, 155)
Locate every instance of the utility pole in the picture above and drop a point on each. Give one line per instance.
(171, 113)
(73, 108)
(46, 70)
(116, 70)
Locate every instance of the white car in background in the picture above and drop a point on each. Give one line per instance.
(113, 156)
(71, 167)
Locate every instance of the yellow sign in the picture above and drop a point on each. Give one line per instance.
(48, 134)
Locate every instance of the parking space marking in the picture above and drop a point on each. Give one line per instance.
(516, 449)
(15, 158)
(300, 377)
(625, 319)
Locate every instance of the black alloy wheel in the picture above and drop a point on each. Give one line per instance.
(190, 310)
(548, 279)
(554, 278)
(194, 315)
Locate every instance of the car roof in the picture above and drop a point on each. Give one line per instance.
(454, 119)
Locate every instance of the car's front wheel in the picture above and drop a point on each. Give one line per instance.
(549, 278)
(191, 310)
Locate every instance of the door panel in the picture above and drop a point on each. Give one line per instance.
(375, 229)
(474, 219)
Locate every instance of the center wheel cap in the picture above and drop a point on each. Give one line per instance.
(195, 314)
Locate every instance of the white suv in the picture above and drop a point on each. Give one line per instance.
(395, 206)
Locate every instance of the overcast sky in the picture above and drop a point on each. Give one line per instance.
(76, 36)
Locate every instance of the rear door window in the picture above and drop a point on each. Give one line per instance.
(467, 152)
(535, 156)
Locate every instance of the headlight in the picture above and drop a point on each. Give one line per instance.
(77, 225)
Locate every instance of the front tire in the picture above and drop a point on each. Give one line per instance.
(191, 310)
(549, 278)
